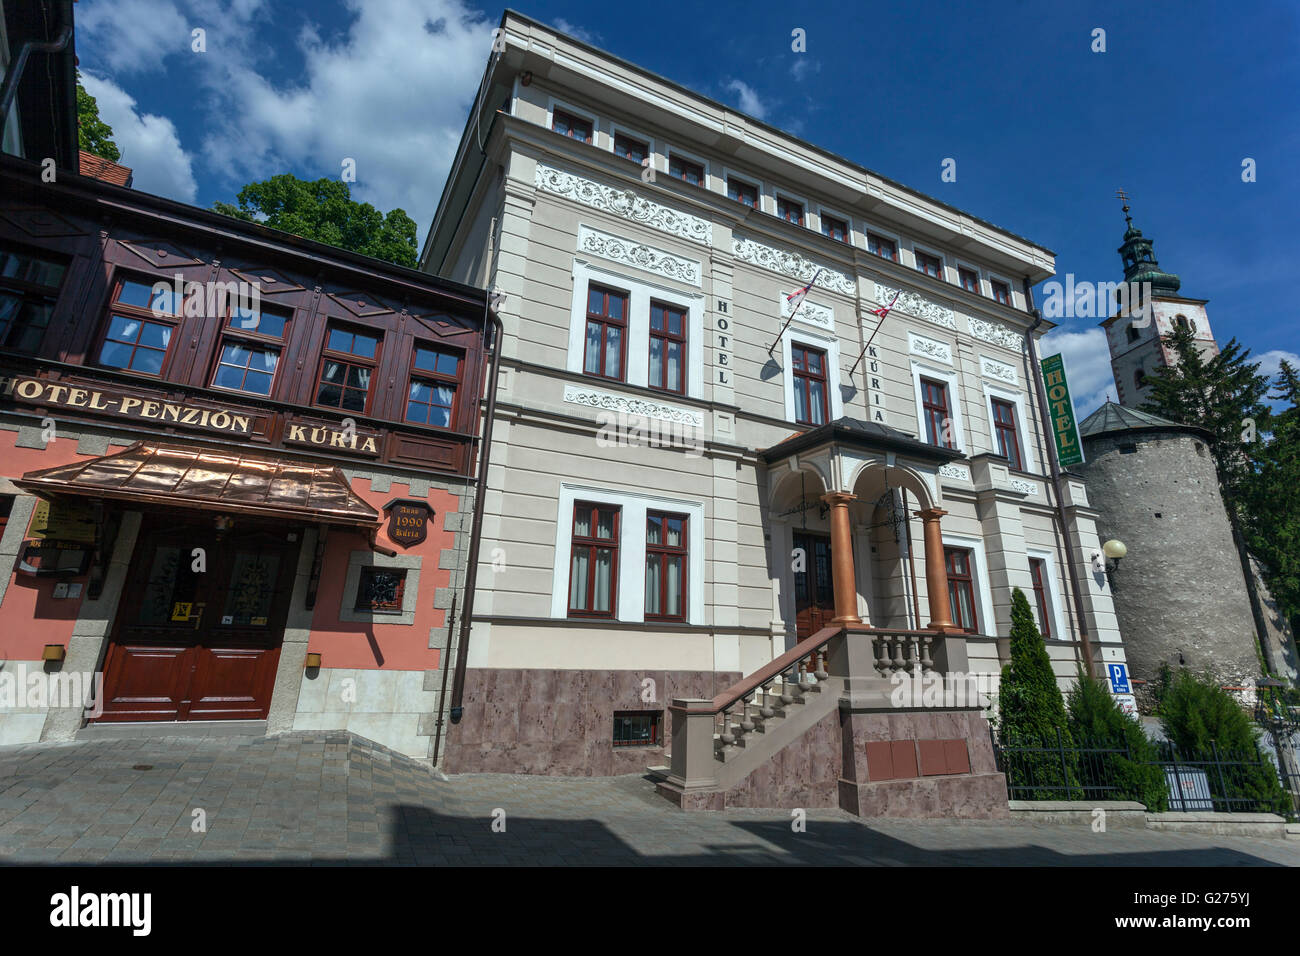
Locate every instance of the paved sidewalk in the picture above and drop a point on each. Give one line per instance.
(331, 798)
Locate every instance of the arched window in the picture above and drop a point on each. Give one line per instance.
(1183, 322)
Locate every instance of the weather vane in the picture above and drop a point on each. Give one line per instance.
(1123, 197)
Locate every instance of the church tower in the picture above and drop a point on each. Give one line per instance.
(1134, 334)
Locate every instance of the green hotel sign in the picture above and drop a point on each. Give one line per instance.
(1069, 450)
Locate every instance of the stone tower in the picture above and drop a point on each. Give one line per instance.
(1133, 334)
(1180, 594)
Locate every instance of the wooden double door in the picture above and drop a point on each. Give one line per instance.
(814, 590)
(200, 624)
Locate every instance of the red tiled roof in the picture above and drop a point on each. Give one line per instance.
(100, 168)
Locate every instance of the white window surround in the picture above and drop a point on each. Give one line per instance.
(847, 220)
(1051, 592)
(631, 549)
(1011, 289)
(987, 623)
(552, 104)
(959, 264)
(671, 151)
(754, 181)
(640, 292)
(616, 128)
(893, 237)
(830, 344)
(779, 194)
(1022, 435)
(949, 376)
(943, 260)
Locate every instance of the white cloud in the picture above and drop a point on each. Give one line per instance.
(749, 100)
(149, 143)
(577, 32)
(1087, 366)
(804, 65)
(135, 36)
(1270, 362)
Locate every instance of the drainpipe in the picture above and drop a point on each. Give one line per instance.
(476, 532)
(14, 75)
(1071, 560)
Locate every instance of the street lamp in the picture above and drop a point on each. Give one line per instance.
(1114, 550)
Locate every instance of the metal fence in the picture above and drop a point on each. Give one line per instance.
(1048, 769)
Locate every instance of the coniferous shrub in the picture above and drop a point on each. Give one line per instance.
(1032, 726)
(1097, 722)
(1204, 722)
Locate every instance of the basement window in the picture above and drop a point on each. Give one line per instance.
(381, 590)
(638, 728)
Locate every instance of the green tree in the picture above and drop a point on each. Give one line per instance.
(1032, 724)
(1202, 720)
(93, 134)
(325, 211)
(1097, 722)
(1271, 509)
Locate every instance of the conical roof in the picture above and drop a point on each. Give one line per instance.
(1120, 418)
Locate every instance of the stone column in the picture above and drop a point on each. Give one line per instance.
(936, 570)
(842, 573)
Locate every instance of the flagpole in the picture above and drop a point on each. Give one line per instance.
(794, 312)
(884, 316)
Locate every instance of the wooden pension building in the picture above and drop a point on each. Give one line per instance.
(237, 470)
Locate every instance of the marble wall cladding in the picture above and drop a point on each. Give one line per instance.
(802, 774)
(562, 721)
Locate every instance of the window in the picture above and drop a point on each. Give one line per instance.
(1140, 379)
(566, 124)
(593, 563)
(250, 351)
(970, 279)
(836, 229)
(630, 148)
(1133, 333)
(680, 168)
(880, 246)
(930, 265)
(961, 588)
(1183, 322)
(606, 337)
(742, 192)
(381, 590)
(667, 347)
(29, 286)
(638, 728)
(140, 327)
(934, 402)
(1004, 429)
(665, 566)
(789, 210)
(431, 394)
(1038, 573)
(809, 371)
(1001, 291)
(347, 366)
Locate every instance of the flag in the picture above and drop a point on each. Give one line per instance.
(796, 298)
(885, 311)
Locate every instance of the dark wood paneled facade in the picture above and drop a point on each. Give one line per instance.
(105, 236)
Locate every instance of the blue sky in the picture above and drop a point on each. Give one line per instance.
(1043, 129)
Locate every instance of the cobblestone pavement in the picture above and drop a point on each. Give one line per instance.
(331, 798)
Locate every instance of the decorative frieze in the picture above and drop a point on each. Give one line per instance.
(1024, 487)
(950, 470)
(791, 264)
(997, 333)
(610, 402)
(913, 304)
(659, 261)
(811, 312)
(625, 203)
(999, 370)
(933, 348)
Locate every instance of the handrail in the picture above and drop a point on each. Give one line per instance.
(748, 685)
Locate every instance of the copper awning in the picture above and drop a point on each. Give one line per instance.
(187, 476)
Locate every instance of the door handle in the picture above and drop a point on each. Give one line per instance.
(196, 614)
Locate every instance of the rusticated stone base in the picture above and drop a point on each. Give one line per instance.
(561, 722)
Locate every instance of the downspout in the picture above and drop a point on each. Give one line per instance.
(1070, 558)
(14, 75)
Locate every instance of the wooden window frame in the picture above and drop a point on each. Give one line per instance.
(685, 161)
(787, 201)
(27, 290)
(414, 375)
(137, 313)
(662, 552)
(619, 134)
(348, 358)
(758, 193)
(1007, 434)
(957, 580)
(934, 426)
(252, 339)
(876, 239)
(593, 543)
(574, 119)
(963, 273)
(665, 336)
(922, 257)
(605, 321)
(848, 229)
(994, 285)
(803, 379)
(1038, 576)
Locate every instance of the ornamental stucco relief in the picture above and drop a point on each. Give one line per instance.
(625, 203)
(791, 264)
(610, 402)
(658, 261)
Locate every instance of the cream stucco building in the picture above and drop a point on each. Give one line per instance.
(679, 489)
